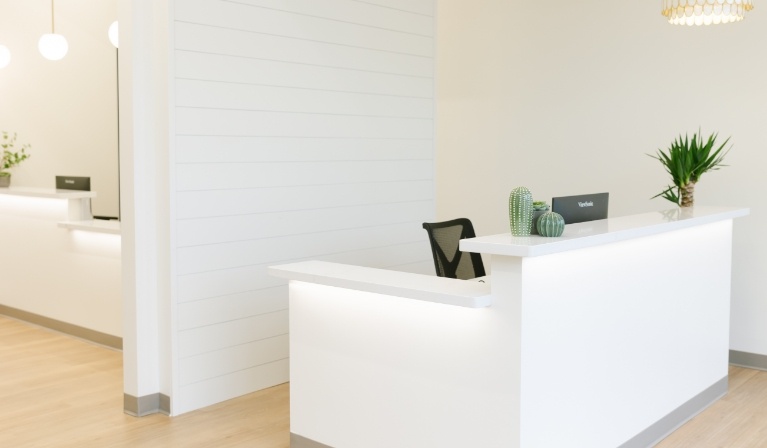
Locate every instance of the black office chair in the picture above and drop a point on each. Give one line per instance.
(448, 260)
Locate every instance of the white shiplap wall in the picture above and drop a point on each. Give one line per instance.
(303, 130)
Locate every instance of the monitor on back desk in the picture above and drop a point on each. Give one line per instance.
(73, 183)
(581, 208)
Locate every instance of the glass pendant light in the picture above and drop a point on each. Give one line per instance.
(5, 56)
(113, 34)
(53, 46)
(705, 12)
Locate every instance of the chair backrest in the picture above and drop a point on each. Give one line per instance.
(448, 260)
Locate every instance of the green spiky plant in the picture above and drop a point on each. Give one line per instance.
(686, 160)
(11, 157)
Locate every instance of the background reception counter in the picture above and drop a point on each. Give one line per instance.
(59, 268)
(610, 336)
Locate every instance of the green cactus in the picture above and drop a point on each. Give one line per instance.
(551, 224)
(521, 211)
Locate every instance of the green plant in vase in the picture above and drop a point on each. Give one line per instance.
(686, 160)
(539, 208)
(11, 157)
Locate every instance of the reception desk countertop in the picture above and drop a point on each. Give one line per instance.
(79, 213)
(427, 288)
(47, 193)
(593, 233)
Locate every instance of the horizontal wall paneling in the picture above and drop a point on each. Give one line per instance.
(252, 279)
(279, 249)
(275, 22)
(215, 176)
(207, 231)
(243, 70)
(216, 203)
(209, 39)
(236, 149)
(304, 129)
(249, 97)
(368, 13)
(234, 384)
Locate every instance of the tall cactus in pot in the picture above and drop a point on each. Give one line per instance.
(521, 211)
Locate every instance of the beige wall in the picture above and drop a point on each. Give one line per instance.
(567, 97)
(67, 110)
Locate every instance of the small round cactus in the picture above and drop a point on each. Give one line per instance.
(551, 224)
(521, 211)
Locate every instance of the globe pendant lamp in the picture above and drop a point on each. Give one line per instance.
(53, 46)
(705, 12)
(5, 56)
(113, 34)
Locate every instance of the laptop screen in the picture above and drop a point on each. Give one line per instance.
(73, 183)
(581, 208)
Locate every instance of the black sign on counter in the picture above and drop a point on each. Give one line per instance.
(73, 183)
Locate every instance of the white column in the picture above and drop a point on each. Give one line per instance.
(144, 143)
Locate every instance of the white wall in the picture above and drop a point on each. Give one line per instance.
(67, 109)
(567, 97)
(303, 130)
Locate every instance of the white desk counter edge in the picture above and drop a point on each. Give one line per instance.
(47, 193)
(469, 294)
(473, 294)
(605, 231)
(78, 209)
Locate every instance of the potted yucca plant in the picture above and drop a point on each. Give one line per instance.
(686, 160)
(11, 157)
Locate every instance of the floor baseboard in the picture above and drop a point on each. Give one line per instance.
(146, 405)
(748, 360)
(96, 337)
(297, 441)
(678, 417)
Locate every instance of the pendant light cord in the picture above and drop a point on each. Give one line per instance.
(53, 23)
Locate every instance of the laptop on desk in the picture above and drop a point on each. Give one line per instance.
(581, 208)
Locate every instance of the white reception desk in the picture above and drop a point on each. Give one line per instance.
(610, 336)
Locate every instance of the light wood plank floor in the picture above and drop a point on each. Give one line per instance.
(56, 391)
